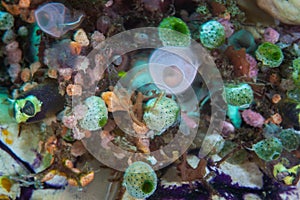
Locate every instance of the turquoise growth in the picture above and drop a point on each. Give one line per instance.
(268, 149)
(212, 34)
(160, 113)
(174, 32)
(140, 180)
(269, 54)
(55, 19)
(238, 97)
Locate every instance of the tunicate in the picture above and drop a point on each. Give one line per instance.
(140, 180)
(173, 69)
(268, 149)
(55, 19)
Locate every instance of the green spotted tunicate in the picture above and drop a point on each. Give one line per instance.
(161, 113)
(268, 149)
(240, 95)
(96, 116)
(289, 139)
(174, 31)
(269, 54)
(6, 20)
(140, 180)
(212, 34)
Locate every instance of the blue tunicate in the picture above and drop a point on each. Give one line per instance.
(55, 19)
(242, 39)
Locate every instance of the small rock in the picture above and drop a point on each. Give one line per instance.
(285, 11)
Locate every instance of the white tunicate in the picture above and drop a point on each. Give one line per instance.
(173, 69)
(97, 114)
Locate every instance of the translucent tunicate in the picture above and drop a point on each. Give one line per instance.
(173, 69)
(55, 19)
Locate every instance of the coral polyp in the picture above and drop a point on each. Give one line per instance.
(140, 180)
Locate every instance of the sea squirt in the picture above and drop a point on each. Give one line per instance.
(55, 19)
